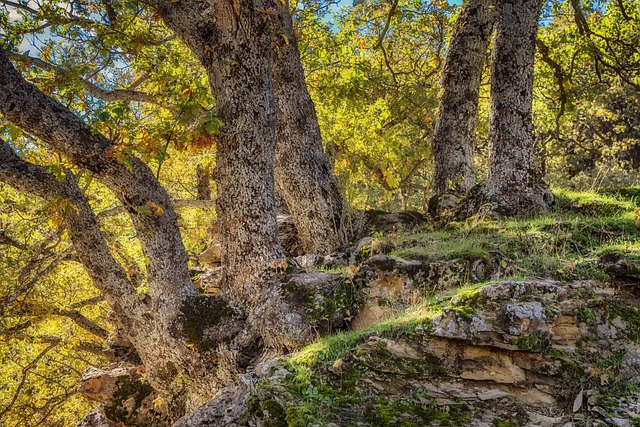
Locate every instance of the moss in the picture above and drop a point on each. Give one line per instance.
(202, 313)
(591, 203)
(499, 422)
(630, 315)
(322, 305)
(125, 389)
(535, 342)
(274, 414)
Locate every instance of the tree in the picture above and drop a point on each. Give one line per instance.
(513, 182)
(454, 134)
(150, 327)
(166, 327)
(302, 171)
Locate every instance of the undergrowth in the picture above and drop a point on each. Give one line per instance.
(566, 243)
(326, 379)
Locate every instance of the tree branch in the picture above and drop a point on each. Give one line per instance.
(91, 88)
(131, 181)
(544, 51)
(86, 235)
(387, 25)
(20, 6)
(6, 240)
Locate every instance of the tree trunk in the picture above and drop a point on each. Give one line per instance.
(514, 184)
(232, 49)
(302, 171)
(454, 135)
(156, 331)
(156, 323)
(203, 177)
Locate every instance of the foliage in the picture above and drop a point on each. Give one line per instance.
(373, 70)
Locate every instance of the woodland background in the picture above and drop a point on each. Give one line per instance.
(373, 71)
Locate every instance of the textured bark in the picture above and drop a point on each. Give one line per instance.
(302, 170)
(514, 183)
(232, 49)
(156, 327)
(454, 135)
(204, 183)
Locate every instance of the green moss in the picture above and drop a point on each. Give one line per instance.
(499, 422)
(535, 342)
(274, 414)
(630, 315)
(202, 313)
(322, 305)
(125, 389)
(591, 203)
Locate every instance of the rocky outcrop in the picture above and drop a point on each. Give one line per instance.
(526, 353)
(125, 397)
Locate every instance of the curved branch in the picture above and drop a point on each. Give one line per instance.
(20, 6)
(91, 88)
(544, 51)
(131, 181)
(86, 236)
(387, 25)
(79, 319)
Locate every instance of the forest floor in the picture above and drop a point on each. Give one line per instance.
(484, 322)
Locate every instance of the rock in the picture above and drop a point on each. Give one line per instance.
(484, 364)
(370, 246)
(95, 418)
(493, 394)
(334, 260)
(125, 396)
(539, 420)
(451, 324)
(101, 384)
(525, 317)
(211, 256)
(630, 364)
(210, 281)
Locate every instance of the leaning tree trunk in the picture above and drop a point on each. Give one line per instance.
(454, 135)
(302, 171)
(514, 184)
(156, 324)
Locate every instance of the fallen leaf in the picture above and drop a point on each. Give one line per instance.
(604, 379)
(592, 372)
(577, 403)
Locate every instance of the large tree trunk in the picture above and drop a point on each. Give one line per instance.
(302, 171)
(232, 49)
(454, 135)
(514, 184)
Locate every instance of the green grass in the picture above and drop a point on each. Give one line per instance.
(567, 243)
(564, 244)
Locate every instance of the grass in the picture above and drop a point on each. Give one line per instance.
(567, 243)
(564, 244)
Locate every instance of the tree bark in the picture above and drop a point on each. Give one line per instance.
(232, 47)
(454, 134)
(302, 171)
(156, 326)
(514, 184)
